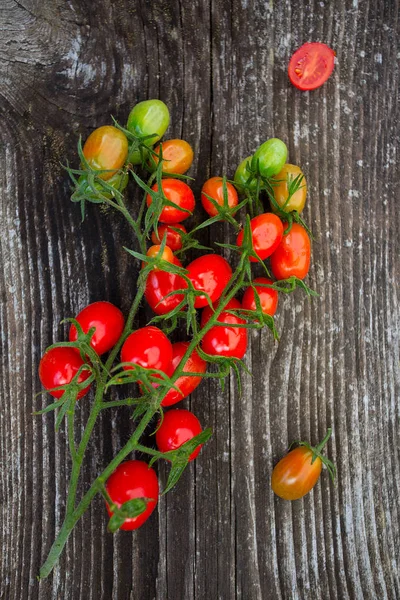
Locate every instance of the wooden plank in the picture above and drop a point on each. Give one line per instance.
(221, 67)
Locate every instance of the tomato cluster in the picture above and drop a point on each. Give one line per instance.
(196, 291)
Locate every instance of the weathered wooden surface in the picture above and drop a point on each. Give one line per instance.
(221, 68)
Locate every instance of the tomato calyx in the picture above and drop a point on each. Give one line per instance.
(317, 453)
(128, 510)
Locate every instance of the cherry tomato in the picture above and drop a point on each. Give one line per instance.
(186, 383)
(214, 188)
(178, 426)
(242, 175)
(174, 238)
(270, 157)
(225, 341)
(148, 347)
(106, 149)
(159, 284)
(177, 156)
(179, 193)
(108, 321)
(281, 191)
(311, 65)
(292, 257)
(148, 118)
(267, 232)
(59, 366)
(209, 273)
(167, 254)
(133, 479)
(297, 472)
(268, 297)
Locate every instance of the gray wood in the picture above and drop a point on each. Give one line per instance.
(221, 68)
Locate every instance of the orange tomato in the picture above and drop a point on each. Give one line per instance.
(106, 149)
(154, 251)
(214, 188)
(281, 191)
(177, 156)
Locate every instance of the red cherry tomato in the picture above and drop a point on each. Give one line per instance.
(159, 284)
(174, 238)
(225, 341)
(268, 297)
(179, 193)
(133, 479)
(178, 426)
(214, 188)
(267, 232)
(59, 366)
(186, 384)
(311, 65)
(106, 149)
(292, 257)
(108, 321)
(148, 347)
(209, 273)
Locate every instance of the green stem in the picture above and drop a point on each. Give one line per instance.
(324, 441)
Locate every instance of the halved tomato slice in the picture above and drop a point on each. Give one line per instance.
(311, 65)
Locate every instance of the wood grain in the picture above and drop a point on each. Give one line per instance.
(221, 68)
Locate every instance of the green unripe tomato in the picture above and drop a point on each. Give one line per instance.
(118, 181)
(242, 175)
(270, 157)
(148, 118)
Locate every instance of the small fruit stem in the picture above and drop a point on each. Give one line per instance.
(324, 441)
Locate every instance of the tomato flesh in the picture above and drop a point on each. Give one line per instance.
(180, 194)
(186, 384)
(178, 426)
(294, 475)
(108, 321)
(225, 341)
(59, 366)
(267, 232)
(311, 65)
(209, 273)
(268, 297)
(133, 479)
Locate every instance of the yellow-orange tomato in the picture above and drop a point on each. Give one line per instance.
(154, 251)
(106, 149)
(281, 191)
(177, 156)
(294, 475)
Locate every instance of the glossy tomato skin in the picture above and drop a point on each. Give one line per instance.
(178, 426)
(179, 193)
(281, 192)
(174, 238)
(148, 347)
(209, 273)
(106, 149)
(214, 188)
(270, 157)
(108, 321)
(167, 254)
(294, 475)
(148, 118)
(59, 366)
(177, 156)
(242, 175)
(159, 284)
(133, 479)
(267, 232)
(186, 384)
(292, 257)
(311, 65)
(268, 297)
(225, 341)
